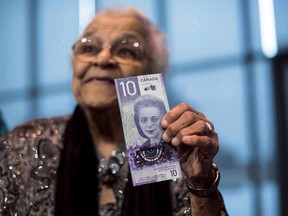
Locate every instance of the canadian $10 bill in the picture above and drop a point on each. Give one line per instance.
(143, 103)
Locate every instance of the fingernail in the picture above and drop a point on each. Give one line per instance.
(164, 123)
(165, 137)
(175, 141)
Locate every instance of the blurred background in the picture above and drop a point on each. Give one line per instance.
(229, 59)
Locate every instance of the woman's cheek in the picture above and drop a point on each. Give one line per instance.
(80, 68)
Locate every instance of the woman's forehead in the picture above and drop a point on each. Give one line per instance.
(149, 110)
(116, 24)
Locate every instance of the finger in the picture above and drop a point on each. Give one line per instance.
(175, 113)
(186, 119)
(205, 143)
(184, 153)
(199, 128)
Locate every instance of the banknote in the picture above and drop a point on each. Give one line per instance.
(143, 102)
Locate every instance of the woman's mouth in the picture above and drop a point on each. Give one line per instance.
(100, 80)
(150, 131)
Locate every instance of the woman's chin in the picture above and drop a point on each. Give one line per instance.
(98, 104)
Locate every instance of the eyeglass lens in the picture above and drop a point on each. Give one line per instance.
(127, 49)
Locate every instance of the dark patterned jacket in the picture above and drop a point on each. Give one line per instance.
(29, 158)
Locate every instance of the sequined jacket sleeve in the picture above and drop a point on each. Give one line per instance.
(181, 199)
(29, 157)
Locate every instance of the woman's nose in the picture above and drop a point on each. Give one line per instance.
(149, 123)
(104, 57)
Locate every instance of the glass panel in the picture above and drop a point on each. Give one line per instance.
(254, 28)
(15, 113)
(270, 198)
(60, 104)
(57, 31)
(265, 110)
(281, 16)
(199, 29)
(238, 199)
(266, 138)
(219, 95)
(13, 49)
(285, 71)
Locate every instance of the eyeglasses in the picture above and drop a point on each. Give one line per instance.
(123, 50)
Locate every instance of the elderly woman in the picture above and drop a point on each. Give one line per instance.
(76, 165)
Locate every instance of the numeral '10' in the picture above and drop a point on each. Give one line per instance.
(128, 87)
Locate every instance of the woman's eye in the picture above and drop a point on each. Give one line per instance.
(155, 118)
(126, 53)
(143, 120)
(89, 49)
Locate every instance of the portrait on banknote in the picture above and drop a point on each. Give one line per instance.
(148, 112)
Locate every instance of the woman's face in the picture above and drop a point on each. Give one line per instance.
(149, 121)
(107, 57)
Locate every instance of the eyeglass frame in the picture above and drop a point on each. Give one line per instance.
(123, 40)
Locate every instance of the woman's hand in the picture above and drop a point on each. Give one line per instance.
(196, 141)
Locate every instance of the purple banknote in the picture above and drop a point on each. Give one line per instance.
(143, 103)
